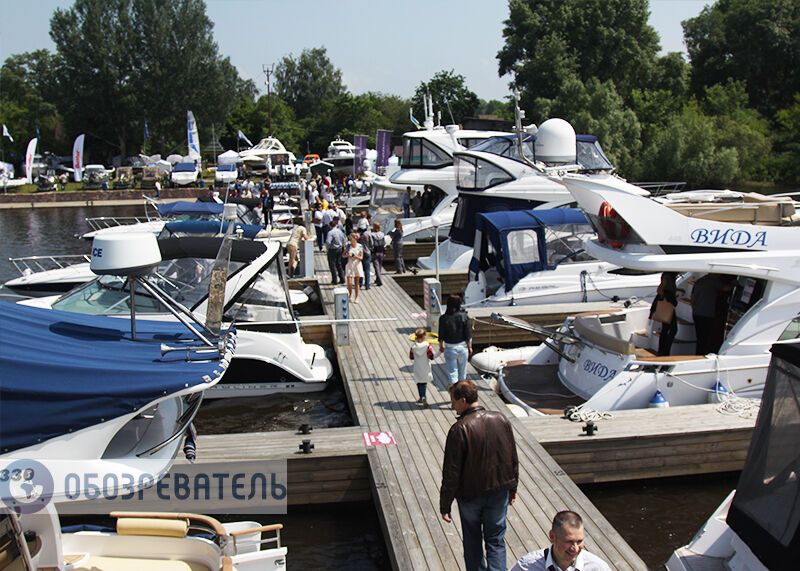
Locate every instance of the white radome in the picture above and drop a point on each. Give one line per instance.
(125, 254)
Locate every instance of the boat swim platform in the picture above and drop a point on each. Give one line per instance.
(406, 474)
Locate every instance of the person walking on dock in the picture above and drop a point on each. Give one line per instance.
(397, 247)
(455, 339)
(566, 550)
(335, 243)
(378, 247)
(354, 269)
(421, 353)
(480, 471)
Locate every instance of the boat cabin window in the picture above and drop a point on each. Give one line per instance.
(478, 174)
(422, 153)
(745, 294)
(266, 301)
(591, 156)
(523, 247)
(469, 143)
(508, 147)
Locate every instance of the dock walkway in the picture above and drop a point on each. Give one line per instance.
(377, 376)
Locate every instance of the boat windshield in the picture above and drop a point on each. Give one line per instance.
(477, 174)
(421, 153)
(564, 243)
(184, 279)
(591, 157)
(226, 168)
(184, 167)
(507, 147)
(265, 300)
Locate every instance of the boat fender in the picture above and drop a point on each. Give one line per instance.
(658, 401)
(718, 394)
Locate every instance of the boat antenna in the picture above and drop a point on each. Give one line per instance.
(447, 102)
(268, 71)
(519, 115)
(427, 101)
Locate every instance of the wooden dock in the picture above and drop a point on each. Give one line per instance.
(406, 476)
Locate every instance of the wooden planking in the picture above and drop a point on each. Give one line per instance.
(679, 441)
(411, 251)
(406, 477)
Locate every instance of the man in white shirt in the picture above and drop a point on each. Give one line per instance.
(566, 552)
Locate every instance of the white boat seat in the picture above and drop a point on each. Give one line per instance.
(98, 563)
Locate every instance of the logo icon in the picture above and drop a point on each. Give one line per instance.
(26, 486)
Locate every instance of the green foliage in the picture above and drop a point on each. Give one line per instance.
(754, 41)
(502, 109)
(26, 100)
(450, 95)
(308, 82)
(548, 42)
(787, 159)
(121, 62)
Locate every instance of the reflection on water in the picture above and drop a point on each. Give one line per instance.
(657, 516)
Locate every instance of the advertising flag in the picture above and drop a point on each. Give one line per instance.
(384, 139)
(192, 137)
(243, 138)
(7, 134)
(360, 154)
(146, 130)
(29, 159)
(77, 158)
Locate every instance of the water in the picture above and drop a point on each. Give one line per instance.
(654, 517)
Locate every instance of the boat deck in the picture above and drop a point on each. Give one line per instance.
(377, 375)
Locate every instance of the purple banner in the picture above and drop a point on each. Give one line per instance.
(384, 147)
(361, 154)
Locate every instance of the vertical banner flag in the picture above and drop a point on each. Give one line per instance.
(77, 158)
(191, 136)
(413, 119)
(29, 159)
(360, 154)
(146, 130)
(242, 137)
(384, 147)
(7, 134)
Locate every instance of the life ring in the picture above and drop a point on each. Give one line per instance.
(614, 227)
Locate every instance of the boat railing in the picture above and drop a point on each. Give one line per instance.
(32, 264)
(101, 222)
(659, 188)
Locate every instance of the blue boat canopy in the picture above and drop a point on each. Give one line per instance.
(511, 235)
(61, 372)
(192, 208)
(210, 227)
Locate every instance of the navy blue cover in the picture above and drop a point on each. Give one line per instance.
(62, 372)
(193, 208)
(495, 227)
(210, 227)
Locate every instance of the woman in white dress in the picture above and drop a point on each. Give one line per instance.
(354, 269)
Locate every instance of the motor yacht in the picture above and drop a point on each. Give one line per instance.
(756, 527)
(226, 174)
(528, 257)
(749, 249)
(185, 174)
(268, 155)
(272, 356)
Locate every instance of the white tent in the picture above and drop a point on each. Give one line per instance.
(228, 158)
(174, 159)
(163, 166)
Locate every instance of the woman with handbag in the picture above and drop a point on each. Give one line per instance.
(663, 311)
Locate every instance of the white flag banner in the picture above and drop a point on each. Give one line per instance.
(191, 136)
(10, 138)
(29, 159)
(242, 137)
(77, 158)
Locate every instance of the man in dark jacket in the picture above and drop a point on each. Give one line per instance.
(480, 471)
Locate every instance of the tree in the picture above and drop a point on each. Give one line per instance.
(548, 42)
(308, 82)
(251, 117)
(450, 95)
(501, 109)
(122, 62)
(26, 102)
(754, 41)
(787, 161)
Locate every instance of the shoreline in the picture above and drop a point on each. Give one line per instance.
(79, 198)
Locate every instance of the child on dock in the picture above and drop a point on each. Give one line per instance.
(421, 353)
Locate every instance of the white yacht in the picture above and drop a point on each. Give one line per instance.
(272, 356)
(116, 403)
(527, 257)
(756, 527)
(269, 155)
(511, 173)
(185, 173)
(608, 360)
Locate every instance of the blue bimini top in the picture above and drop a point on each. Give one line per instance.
(494, 227)
(61, 372)
(210, 227)
(192, 208)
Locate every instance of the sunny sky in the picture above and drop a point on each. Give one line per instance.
(378, 45)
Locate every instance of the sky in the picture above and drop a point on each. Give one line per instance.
(388, 47)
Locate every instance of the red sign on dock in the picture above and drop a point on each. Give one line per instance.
(379, 438)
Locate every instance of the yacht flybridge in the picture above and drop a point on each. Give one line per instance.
(272, 356)
(501, 174)
(608, 360)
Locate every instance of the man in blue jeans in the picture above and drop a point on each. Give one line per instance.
(480, 471)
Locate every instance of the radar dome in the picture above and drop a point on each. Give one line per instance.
(555, 142)
(127, 254)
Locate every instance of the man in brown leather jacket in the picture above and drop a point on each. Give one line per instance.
(480, 471)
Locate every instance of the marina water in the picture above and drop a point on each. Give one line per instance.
(654, 517)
